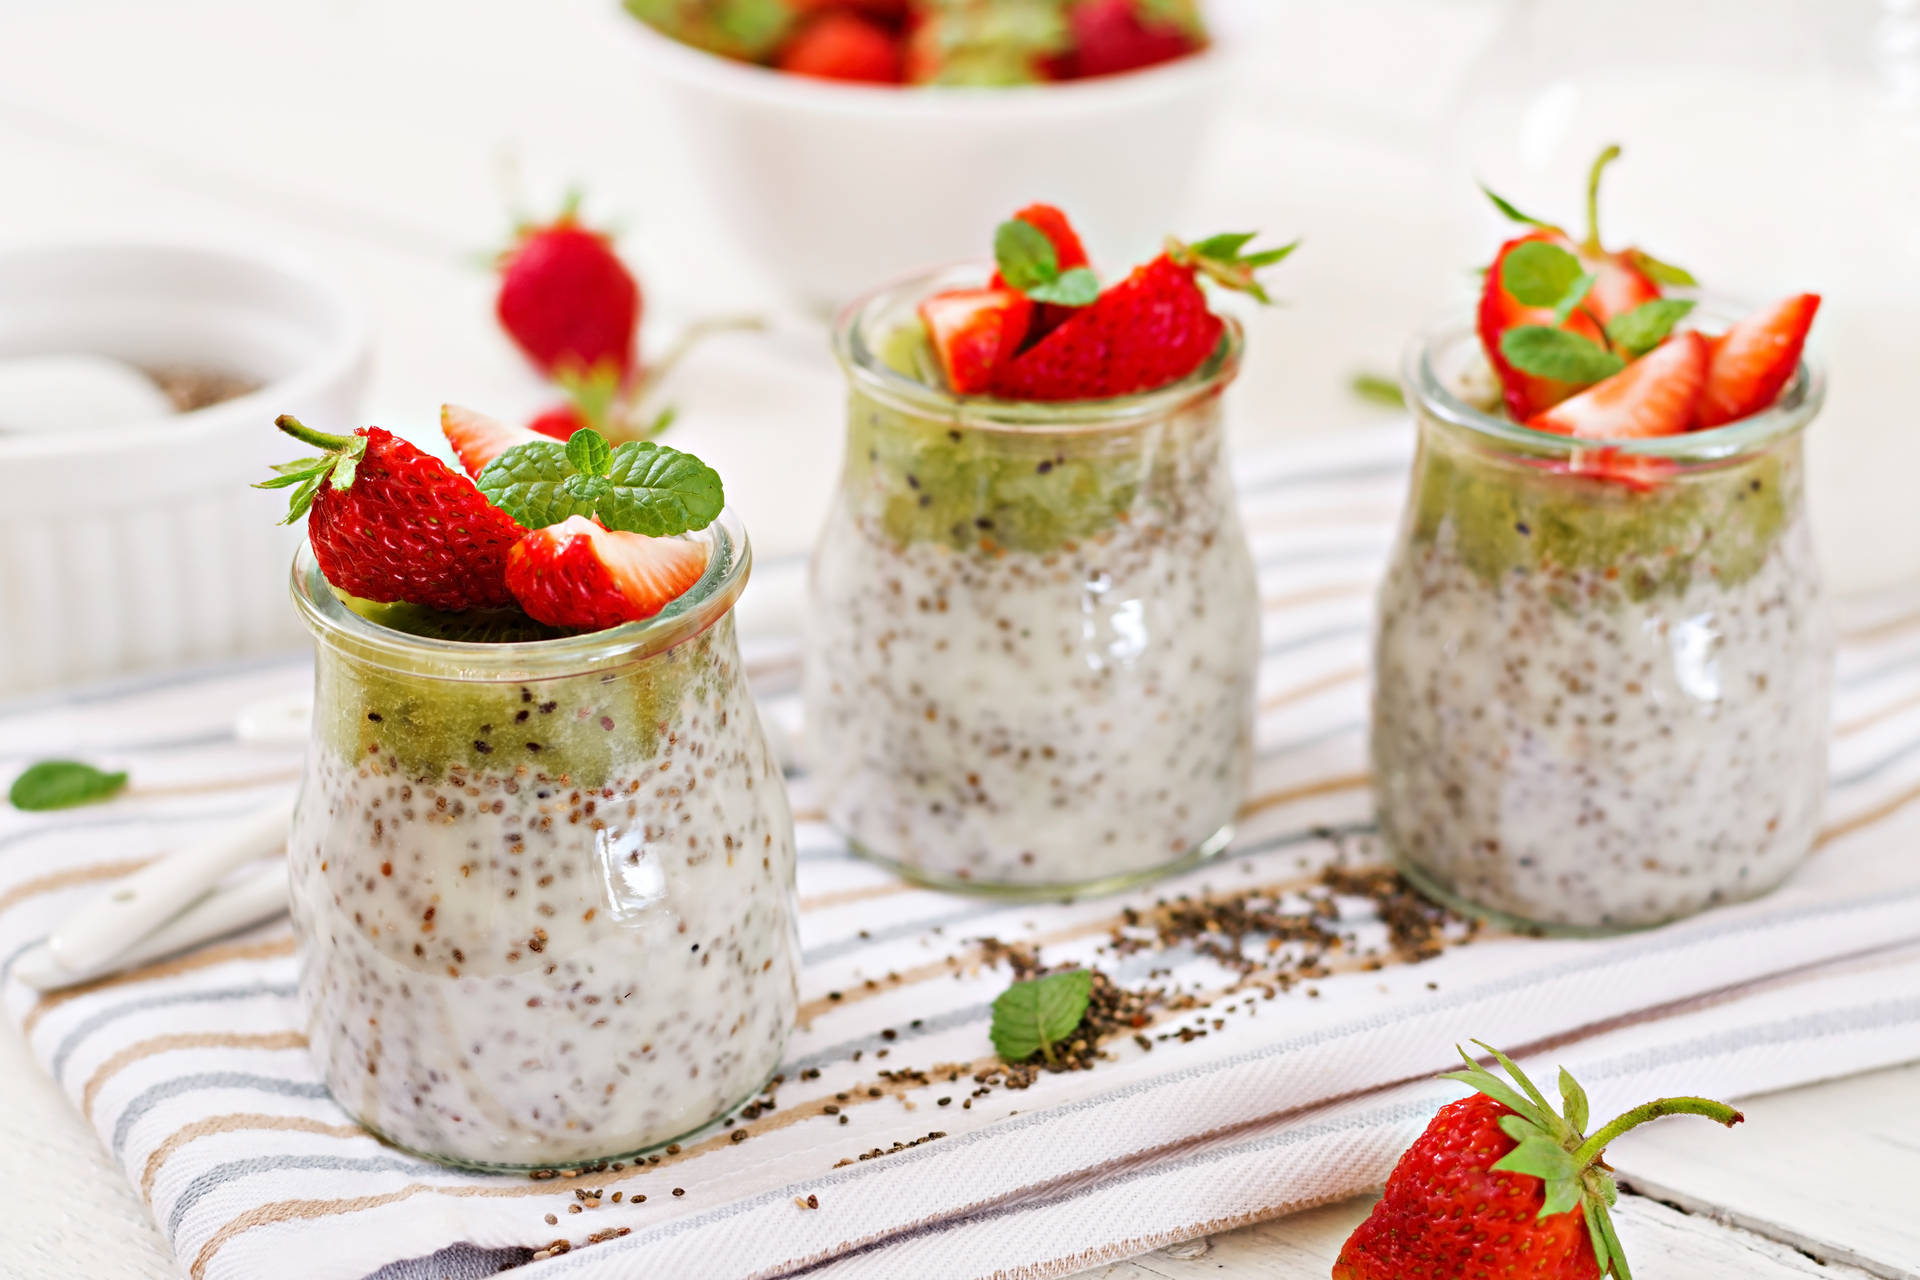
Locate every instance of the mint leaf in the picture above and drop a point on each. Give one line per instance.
(1660, 272)
(1646, 326)
(1538, 274)
(589, 453)
(660, 491)
(61, 784)
(1507, 209)
(1076, 288)
(1032, 1016)
(1026, 258)
(1558, 354)
(640, 487)
(1378, 388)
(1575, 295)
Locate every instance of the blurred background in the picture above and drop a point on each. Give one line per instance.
(1771, 146)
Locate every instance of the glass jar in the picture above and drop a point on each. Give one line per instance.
(543, 892)
(1034, 629)
(1599, 704)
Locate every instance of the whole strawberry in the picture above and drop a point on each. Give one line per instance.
(568, 301)
(1491, 1188)
(389, 523)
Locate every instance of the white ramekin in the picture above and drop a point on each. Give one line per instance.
(142, 545)
(832, 187)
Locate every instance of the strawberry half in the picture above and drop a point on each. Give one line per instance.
(390, 523)
(477, 439)
(974, 333)
(1753, 361)
(1148, 331)
(1618, 287)
(567, 300)
(579, 575)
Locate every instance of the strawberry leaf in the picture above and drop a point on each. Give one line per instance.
(1660, 272)
(339, 464)
(1511, 213)
(1646, 326)
(1574, 1099)
(1032, 1016)
(640, 487)
(1559, 355)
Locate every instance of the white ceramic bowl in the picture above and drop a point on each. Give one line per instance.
(832, 187)
(141, 544)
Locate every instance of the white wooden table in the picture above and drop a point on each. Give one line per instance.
(371, 134)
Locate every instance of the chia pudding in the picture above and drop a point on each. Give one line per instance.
(1601, 706)
(1034, 631)
(543, 891)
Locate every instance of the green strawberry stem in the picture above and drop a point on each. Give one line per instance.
(1719, 1112)
(307, 435)
(1604, 159)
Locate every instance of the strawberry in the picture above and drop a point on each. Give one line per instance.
(577, 574)
(1755, 359)
(390, 523)
(974, 333)
(558, 422)
(1492, 1185)
(1621, 281)
(881, 10)
(567, 300)
(1111, 36)
(838, 45)
(1149, 330)
(1656, 395)
(477, 439)
(1053, 224)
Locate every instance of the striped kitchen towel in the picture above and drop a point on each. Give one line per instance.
(1281, 1007)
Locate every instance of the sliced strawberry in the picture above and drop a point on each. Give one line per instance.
(1753, 361)
(844, 46)
(1618, 285)
(974, 333)
(1656, 395)
(389, 523)
(1149, 330)
(477, 439)
(558, 423)
(577, 574)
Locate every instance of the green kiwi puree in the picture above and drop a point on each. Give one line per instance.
(926, 478)
(589, 728)
(1498, 516)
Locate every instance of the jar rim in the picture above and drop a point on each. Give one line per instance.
(1429, 394)
(853, 332)
(729, 564)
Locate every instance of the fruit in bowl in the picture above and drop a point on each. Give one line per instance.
(978, 43)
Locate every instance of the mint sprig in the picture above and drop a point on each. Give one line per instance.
(639, 487)
(1646, 326)
(1035, 1015)
(1029, 262)
(62, 784)
(1540, 274)
(1558, 354)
